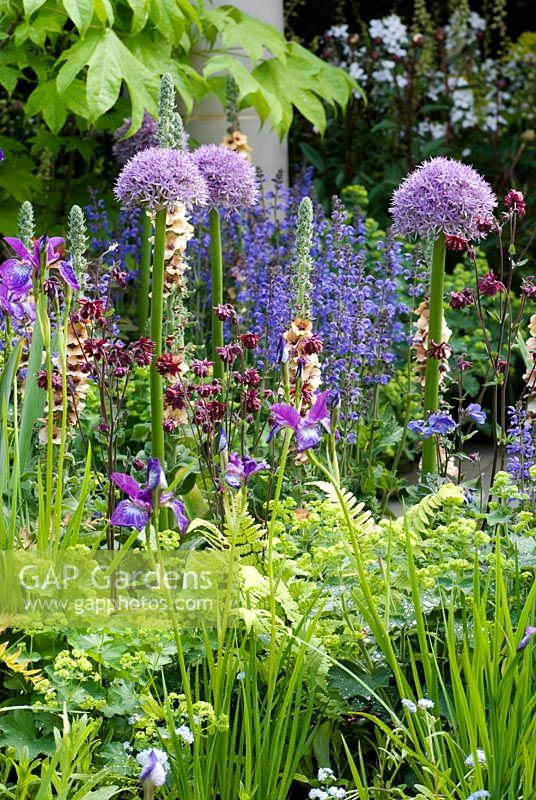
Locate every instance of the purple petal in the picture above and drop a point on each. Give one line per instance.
(150, 764)
(69, 275)
(251, 466)
(308, 436)
(530, 630)
(127, 484)
(155, 475)
(234, 474)
(319, 411)
(285, 416)
(15, 273)
(19, 248)
(180, 514)
(128, 515)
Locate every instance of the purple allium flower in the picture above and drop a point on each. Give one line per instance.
(529, 632)
(155, 765)
(308, 429)
(146, 136)
(474, 412)
(241, 468)
(136, 512)
(230, 179)
(442, 196)
(158, 178)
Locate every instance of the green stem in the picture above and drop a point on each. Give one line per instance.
(157, 302)
(217, 289)
(145, 274)
(435, 327)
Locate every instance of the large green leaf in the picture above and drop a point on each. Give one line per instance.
(32, 5)
(81, 13)
(45, 99)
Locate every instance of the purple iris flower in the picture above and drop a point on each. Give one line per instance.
(241, 468)
(11, 303)
(2, 156)
(474, 412)
(155, 764)
(530, 631)
(308, 429)
(17, 272)
(136, 512)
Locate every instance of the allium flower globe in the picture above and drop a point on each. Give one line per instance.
(127, 146)
(159, 177)
(230, 179)
(442, 195)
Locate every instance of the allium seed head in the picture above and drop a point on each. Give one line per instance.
(230, 179)
(442, 196)
(158, 178)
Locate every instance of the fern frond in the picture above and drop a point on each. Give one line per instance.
(248, 538)
(360, 519)
(210, 532)
(420, 518)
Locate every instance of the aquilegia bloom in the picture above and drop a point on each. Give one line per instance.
(136, 512)
(155, 765)
(442, 196)
(241, 468)
(308, 429)
(530, 630)
(17, 273)
(230, 179)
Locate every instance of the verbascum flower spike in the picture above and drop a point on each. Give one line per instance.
(26, 224)
(441, 198)
(77, 236)
(302, 268)
(166, 112)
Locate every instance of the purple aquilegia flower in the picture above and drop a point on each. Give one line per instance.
(308, 429)
(241, 468)
(136, 512)
(439, 423)
(158, 177)
(127, 146)
(230, 179)
(155, 766)
(474, 412)
(529, 632)
(17, 273)
(442, 196)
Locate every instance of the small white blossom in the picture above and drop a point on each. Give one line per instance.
(325, 774)
(338, 31)
(240, 676)
(127, 747)
(393, 33)
(425, 703)
(184, 732)
(470, 760)
(337, 791)
(409, 705)
(318, 794)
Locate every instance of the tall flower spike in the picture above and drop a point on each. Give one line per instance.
(77, 235)
(301, 270)
(167, 122)
(26, 224)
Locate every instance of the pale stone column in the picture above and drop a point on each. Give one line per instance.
(208, 124)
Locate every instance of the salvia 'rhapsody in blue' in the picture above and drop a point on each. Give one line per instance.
(521, 444)
(137, 510)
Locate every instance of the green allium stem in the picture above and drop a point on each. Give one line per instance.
(435, 327)
(217, 289)
(157, 302)
(145, 274)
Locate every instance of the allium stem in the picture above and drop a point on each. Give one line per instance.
(157, 302)
(217, 289)
(145, 273)
(435, 328)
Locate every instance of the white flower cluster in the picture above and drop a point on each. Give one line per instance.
(481, 758)
(392, 32)
(327, 776)
(424, 704)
